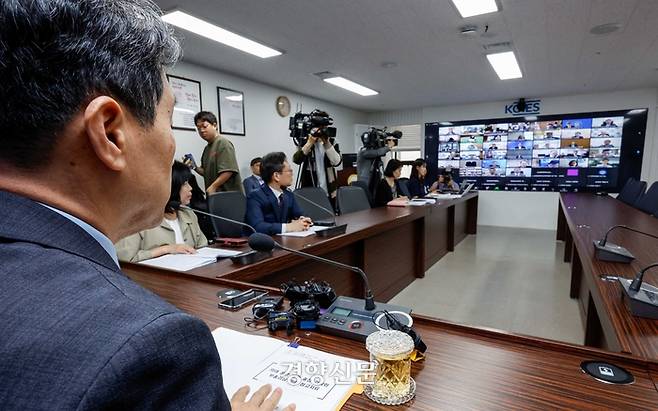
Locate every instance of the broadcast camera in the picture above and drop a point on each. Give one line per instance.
(376, 138)
(315, 123)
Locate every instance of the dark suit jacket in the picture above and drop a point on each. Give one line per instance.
(250, 184)
(265, 215)
(76, 333)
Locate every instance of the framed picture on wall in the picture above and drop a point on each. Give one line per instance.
(231, 111)
(188, 102)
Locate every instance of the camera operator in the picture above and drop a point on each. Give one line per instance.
(316, 153)
(369, 165)
(318, 157)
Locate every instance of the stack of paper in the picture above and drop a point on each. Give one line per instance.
(312, 379)
(186, 262)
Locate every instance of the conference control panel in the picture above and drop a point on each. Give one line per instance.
(347, 317)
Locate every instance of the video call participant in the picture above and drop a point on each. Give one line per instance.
(254, 181)
(76, 332)
(389, 186)
(219, 166)
(273, 209)
(318, 157)
(178, 232)
(416, 184)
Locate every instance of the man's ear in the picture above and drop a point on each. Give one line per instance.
(106, 126)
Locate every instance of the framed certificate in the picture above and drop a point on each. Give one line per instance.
(188, 102)
(231, 111)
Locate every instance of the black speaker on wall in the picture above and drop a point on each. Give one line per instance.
(521, 104)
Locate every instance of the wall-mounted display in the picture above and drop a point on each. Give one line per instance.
(188, 102)
(231, 111)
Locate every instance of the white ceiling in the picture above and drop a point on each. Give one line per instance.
(435, 65)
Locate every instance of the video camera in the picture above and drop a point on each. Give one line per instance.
(315, 123)
(376, 137)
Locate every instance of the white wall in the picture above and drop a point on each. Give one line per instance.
(538, 210)
(266, 131)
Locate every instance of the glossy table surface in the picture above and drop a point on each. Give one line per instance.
(589, 217)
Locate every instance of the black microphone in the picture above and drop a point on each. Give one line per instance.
(640, 299)
(606, 251)
(396, 134)
(326, 210)
(262, 242)
(230, 220)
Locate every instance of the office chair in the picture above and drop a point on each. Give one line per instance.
(318, 196)
(632, 191)
(648, 202)
(351, 199)
(229, 204)
(364, 186)
(404, 188)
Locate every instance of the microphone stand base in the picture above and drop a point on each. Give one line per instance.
(332, 231)
(250, 257)
(643, 303)
(612, 252)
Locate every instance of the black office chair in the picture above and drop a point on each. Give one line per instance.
(632, 191)
(229, 204)
(351, 199)
(364, 186)
(404, 188)
(317, 196)
(648, 202)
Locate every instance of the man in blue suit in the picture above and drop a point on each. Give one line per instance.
(85, 160)
(273, 209)
(254, 181)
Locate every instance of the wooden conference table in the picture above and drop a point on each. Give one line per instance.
(393, 245)
(582, 219)
(466, 367)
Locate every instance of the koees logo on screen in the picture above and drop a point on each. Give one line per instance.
(531, 107)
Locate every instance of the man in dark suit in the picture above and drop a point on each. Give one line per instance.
(273, 209)
(85, 160)
(254, 181)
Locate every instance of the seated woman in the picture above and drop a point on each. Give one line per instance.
(388, 187)
(179, 231)
(416, 183)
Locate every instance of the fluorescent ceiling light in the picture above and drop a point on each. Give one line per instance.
(468, 8)
(505, 65)
(351, 86)
(234, 98)
(218, 34)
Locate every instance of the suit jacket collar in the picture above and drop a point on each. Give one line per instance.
(26, 220)
(279, 211)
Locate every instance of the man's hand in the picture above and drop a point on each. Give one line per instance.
(259, 401)
(181, 249)
(390, 144)
(301, 224)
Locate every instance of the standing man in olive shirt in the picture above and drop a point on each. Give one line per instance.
(219, 167)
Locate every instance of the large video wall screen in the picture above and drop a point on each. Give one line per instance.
(572, 152)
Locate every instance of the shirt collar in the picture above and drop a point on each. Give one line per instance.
(97, 235)
(276, 192)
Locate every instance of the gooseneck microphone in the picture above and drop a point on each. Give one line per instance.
(265, 243)
(230, 220)
(640, 299)
(326, 210)
(606, 251)
(637, 281)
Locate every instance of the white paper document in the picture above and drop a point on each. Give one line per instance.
(445, 196)
(179, 262)
(312, 379)
(312, 230)
(216, 252)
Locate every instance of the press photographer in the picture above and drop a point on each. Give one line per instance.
(317, 155)
(369, 164)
